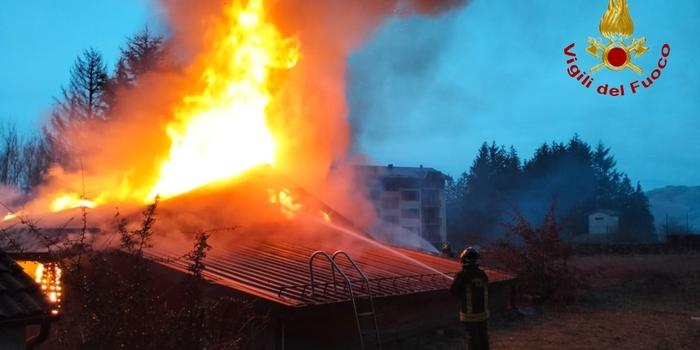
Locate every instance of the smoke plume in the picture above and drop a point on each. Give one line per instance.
(308, 109)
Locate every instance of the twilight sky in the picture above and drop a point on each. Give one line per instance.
(431, 90)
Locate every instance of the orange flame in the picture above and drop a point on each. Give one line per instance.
(223, 132)
(70, 201)
(48, 276)
(11, 215)
(285, 199)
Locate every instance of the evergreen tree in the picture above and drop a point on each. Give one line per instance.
(574, 175)
(606, 177)
(562, 173)
(82, 101)
(142, 53)
(637, 222)
(479, 199)
(455, 192)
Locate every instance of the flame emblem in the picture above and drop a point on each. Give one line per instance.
(617, 27)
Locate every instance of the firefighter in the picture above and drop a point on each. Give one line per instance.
(471, 286)
(447, 250)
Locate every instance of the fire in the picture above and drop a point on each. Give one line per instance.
(224, 131)
(48, 276)
(288, 204)
(70, 201)
(12, 215)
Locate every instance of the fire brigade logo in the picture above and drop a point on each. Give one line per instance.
(617, 27)
(617, 52)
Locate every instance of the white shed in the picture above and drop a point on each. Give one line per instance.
(602, 222)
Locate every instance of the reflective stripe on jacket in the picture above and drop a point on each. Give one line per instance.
(471, 286)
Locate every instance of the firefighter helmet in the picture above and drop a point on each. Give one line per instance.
(469, 256)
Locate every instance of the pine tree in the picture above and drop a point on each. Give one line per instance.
(578, 178)
(142, 53)
(485, 192)
(82, 101)
(637, 222)
(607, 177)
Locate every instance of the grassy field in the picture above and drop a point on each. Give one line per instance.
(634, 302)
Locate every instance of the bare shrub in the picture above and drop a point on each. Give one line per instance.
(539, 258)
(118, 298)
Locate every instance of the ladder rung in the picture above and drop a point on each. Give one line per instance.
(361, 299)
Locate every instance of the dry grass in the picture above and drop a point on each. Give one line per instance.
(634, 302)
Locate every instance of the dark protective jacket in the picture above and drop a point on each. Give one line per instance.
(471, 285)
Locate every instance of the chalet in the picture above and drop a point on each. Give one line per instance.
(23, 308)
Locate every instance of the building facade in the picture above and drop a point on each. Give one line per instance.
(603, 222)
(409, 197)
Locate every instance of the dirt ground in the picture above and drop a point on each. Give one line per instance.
(634, 302)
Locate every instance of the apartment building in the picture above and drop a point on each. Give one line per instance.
(412, 198)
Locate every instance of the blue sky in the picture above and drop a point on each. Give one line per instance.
(431, 90)
(40, 39)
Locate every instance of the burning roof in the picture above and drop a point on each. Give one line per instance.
(273, 262)
(264, 232)
(259, 85)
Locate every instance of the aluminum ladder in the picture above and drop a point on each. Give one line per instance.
(362, 302)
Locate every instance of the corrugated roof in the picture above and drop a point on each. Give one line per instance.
(271, 261)
(20, 297)
(273, 264)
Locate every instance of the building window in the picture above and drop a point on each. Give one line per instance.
(391, 185)
(431, 215)
(391, 219)
(390, 203)
(411, 213)
(409, 195)
(431, 197)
